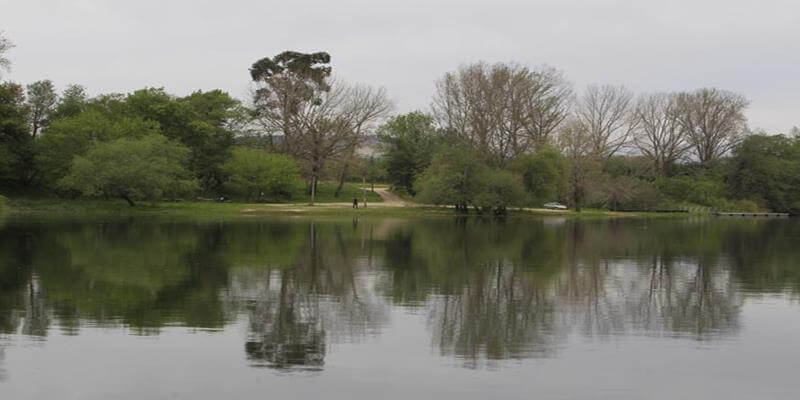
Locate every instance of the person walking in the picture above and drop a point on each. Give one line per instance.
(355, 202)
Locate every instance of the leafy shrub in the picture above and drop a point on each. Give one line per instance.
(149, 168)
(498, 190)
(457, 176)
(543, 176)
(255, 173)
(452, 178)
(697, 190)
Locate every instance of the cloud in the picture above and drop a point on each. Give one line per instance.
(746, 46)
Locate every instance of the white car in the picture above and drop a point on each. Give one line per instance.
(555, 206)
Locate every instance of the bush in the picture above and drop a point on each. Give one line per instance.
(70, 137)
(458, 177)
(452, 178)
(767, 168)
(266, 176)
(499, 189)
(149, 168)
(696, 190)
(543, 176)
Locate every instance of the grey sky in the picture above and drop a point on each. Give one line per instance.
(749, 46)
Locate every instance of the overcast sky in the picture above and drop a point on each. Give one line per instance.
(749, 46)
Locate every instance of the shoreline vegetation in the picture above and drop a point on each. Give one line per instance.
(498, 138)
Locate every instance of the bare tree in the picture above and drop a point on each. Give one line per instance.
(42, 99)
(607, 115)
(503, 110)
(714, 121)
(548, 105)
(335, 125)
(659, 134)
(5, 46)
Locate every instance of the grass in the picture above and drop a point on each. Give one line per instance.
(326, 191)
(52, 207)
(37, 204)
(350, 191)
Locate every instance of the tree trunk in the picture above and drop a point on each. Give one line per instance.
(313, 189)
(341, 181)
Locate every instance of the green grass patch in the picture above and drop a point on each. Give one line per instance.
(89, 209)
(350, 191)
(326, 191)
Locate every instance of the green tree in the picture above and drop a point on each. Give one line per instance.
(149, 168)
(41, 101)
(71, 102)
(201, 121)
(286, 83)
(74, 136)
(408, 142)
(452, 178)
(544, 175)
(266, 175)
(16, 144)
(767, 169)
(498, 189)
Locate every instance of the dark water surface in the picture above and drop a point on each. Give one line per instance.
(397, 308)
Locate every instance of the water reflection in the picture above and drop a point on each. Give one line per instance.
(489, 290)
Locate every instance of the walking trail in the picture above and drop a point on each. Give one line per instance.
(390, 199)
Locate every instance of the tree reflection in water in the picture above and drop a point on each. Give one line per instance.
(489, 290)
(323, 294)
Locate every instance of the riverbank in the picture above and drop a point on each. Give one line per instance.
(99, 208)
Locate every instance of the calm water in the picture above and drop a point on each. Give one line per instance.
(394, 308)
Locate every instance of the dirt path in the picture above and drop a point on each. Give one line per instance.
(390, 199)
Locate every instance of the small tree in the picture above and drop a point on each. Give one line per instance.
(544, 175)
(74, 136)
(72, 101)
(41, 101)
(452, 178)
(149, 168)
(408, 142)
(257, 173)
(499, 189)
(767, 168)
(16, 144)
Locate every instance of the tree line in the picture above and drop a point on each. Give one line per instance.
(496, 136)
(501, 135)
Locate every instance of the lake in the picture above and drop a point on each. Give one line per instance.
(448, 308)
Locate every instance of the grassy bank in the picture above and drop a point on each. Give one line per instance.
(99, 208)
